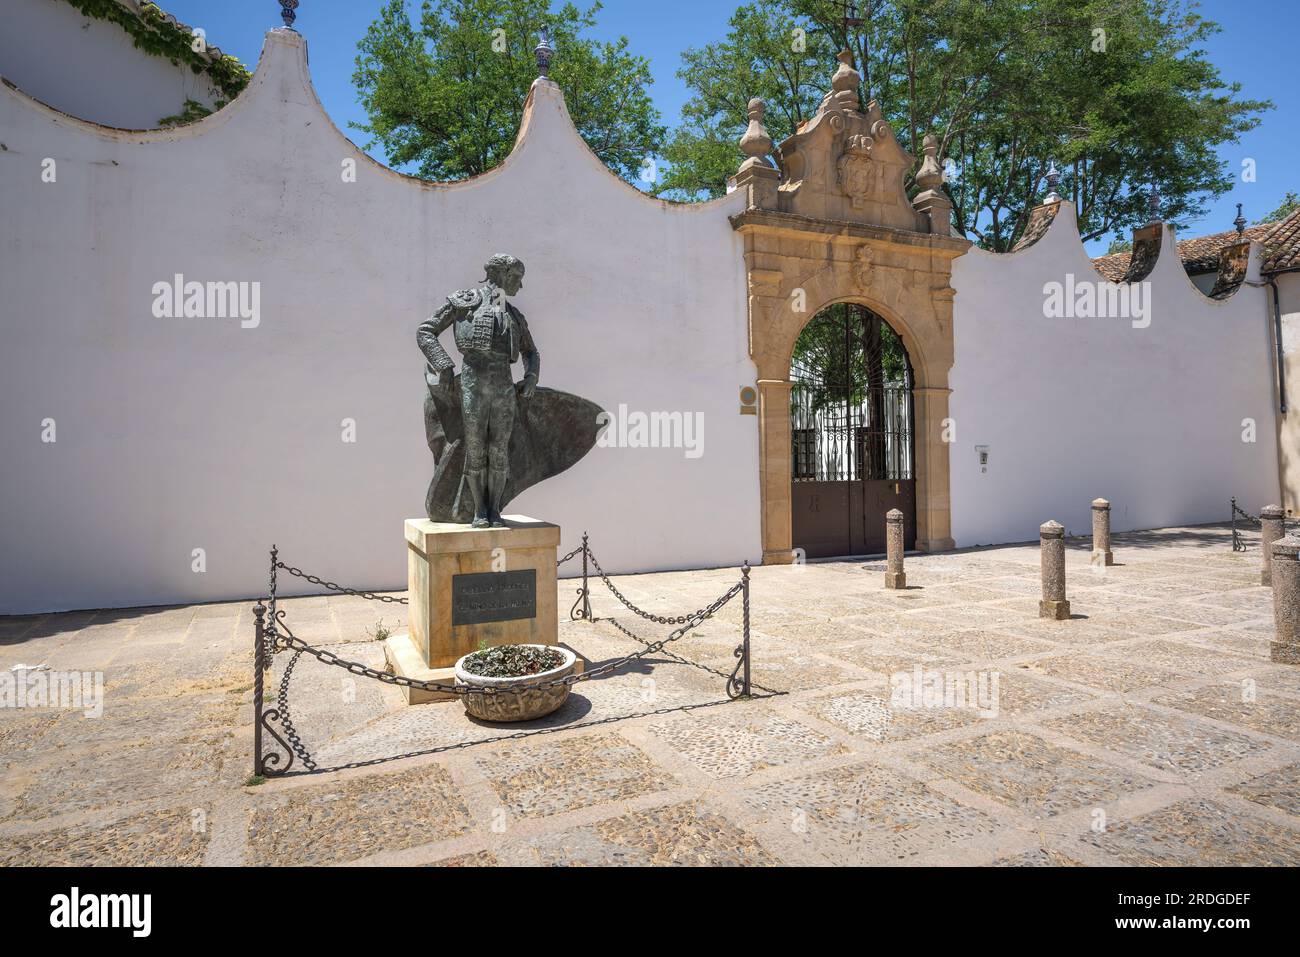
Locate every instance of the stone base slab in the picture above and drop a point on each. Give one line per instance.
(936, 545)
(1283, 654)
(895, 579)
(1106, 558)
(403, 659)
(1056, 610)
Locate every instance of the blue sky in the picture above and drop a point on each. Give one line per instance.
(1256, 49)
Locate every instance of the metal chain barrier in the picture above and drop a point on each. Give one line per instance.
(687, 661)
(273, 635)
(1252, 520)
(356, 592)
(657, 619)
(370, 595)
(289, 641)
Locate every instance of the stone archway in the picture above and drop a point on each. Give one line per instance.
(853, 448)
(834, 224)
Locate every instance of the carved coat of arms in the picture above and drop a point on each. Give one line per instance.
(856, 169)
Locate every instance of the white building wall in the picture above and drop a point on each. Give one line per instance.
(89, 68)
(1076, 409)
(1288, 287)
(178, 434)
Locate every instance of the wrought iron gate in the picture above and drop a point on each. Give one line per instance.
(851, 433)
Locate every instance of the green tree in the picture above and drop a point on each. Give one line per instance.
(447, 97)
(764, 55)
(1118, 92)
(1290, 203)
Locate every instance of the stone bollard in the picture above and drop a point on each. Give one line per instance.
(1101, 533)
(895, 577)
(1052, 550)
(1270, 530)
(1285, 646)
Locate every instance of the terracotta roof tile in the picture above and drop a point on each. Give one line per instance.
(1200, 254)
(1282, 244)
(1040, 220)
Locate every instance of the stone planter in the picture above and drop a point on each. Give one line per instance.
(516, 706)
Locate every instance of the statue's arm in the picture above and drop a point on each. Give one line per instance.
(427, 336)
(532, 359)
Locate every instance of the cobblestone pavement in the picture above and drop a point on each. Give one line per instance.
(1151, 728)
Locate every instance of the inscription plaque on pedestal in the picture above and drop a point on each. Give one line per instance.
(493, 596)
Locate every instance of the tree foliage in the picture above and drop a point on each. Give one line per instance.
(1290, 203)
(1118, 92)
(446, 96)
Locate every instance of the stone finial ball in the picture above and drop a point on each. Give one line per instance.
(756, 105)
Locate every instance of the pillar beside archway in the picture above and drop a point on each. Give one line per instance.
(775, 469)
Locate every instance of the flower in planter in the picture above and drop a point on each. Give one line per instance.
(512, 661)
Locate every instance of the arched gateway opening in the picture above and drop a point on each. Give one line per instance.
(852, 452)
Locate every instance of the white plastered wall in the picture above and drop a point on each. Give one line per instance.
(90, 68)
(179, 434)
(1288, 287)
(1076, 409)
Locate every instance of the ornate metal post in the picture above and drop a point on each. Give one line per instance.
(275, 562)
(586, 592)
(259, 664)
(1235, 542)
(744, 594)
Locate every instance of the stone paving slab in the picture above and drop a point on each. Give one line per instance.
(1031, 774)
(1149, 729)
(1201, 833)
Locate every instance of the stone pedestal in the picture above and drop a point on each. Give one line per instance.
(1285, 646)
(1271, 529)
(473, 587)
(1052, 551)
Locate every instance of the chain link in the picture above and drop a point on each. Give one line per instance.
(657, 619)
(1240, 546)
(1244, 514)
(333, 586)
(683, 660)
